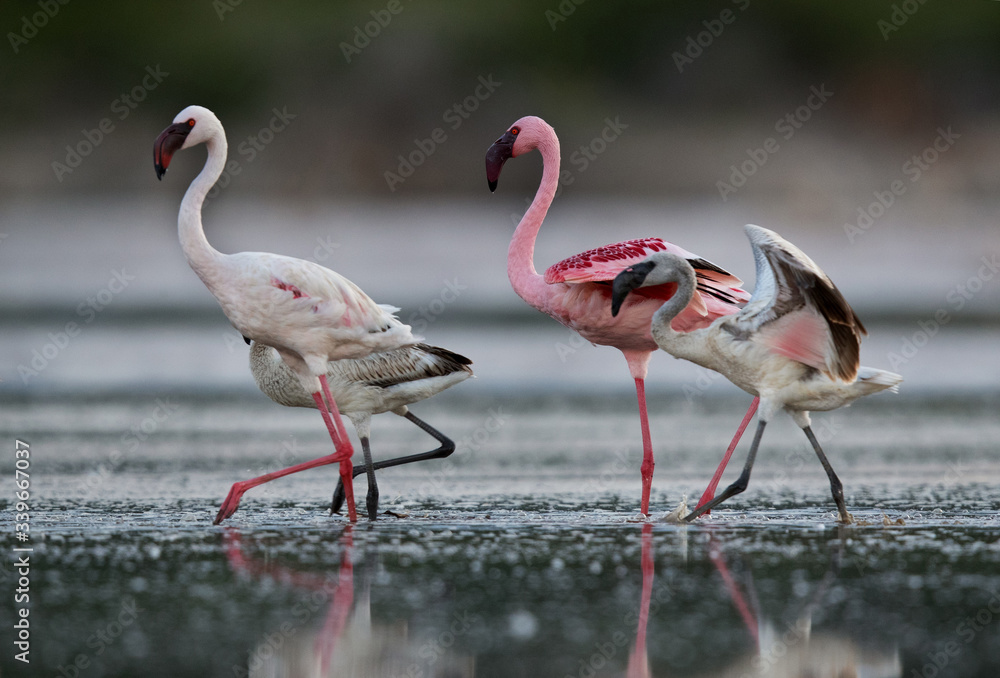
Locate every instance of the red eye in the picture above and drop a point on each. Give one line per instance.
(190, 122)
(515, 130)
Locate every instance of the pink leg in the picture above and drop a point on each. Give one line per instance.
(647, 447)
(709, 493)
(638, 661)
(346, 468)
(340, 607)
(734, 591)
(344, 451)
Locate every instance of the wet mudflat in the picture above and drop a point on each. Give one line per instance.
(522, 554)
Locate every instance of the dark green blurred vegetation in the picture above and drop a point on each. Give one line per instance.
(605, 57)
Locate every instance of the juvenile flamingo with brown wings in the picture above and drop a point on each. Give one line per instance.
(577, 290)
(796, 344)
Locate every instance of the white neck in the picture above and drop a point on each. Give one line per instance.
(202, 257)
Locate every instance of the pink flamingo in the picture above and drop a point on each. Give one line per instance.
(577, 290)
(308, 313)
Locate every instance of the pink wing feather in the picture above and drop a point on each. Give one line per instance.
(604, 263)
(720, 291)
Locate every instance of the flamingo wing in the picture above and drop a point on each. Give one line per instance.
(721, 291)
(797, 311)
(318, 297)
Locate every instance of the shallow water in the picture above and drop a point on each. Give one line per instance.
(521, 554)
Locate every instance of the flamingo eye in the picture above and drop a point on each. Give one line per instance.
(190, 122)
(515, 130)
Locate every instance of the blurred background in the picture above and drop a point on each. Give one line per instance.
(865, 132)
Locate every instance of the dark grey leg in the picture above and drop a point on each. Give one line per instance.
(835, 485)
(446, 448)
(741, 482)
(372, 499)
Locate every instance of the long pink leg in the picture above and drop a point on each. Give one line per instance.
(344, 451)
(340, 607)
(638, 661)
(647, 446)
(346, 468)
(709, 493)
(734, 591)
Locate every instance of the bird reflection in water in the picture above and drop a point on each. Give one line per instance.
(795, 651)
(347, 643)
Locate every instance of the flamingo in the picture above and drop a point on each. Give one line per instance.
(577, 290)
(377, 383)
(349, 641)
(795, 345)
(308, 313)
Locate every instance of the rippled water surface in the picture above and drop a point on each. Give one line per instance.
(520, 555)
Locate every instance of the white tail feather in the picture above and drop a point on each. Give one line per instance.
(889, 380)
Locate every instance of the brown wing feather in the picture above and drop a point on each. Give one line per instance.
(410, 363)
(801, 285)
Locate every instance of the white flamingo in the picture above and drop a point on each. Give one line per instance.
(377, 383)
(795, 345)
(308, 313)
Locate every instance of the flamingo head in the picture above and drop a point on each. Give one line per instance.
(524, 135)
(631, 278)
(194, 125)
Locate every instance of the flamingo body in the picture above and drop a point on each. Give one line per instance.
(376, 383)
(304, 310)
(795, 345)
(577, 291)
(308, 313)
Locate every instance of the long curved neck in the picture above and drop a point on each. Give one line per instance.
(663, 334)
(521, 254)
(200, 254)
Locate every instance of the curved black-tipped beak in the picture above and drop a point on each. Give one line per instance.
(626, 281)
(499, 153)
(168, 143)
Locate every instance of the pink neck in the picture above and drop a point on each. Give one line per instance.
(520, 257)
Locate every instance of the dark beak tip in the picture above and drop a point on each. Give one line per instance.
(493, 185)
